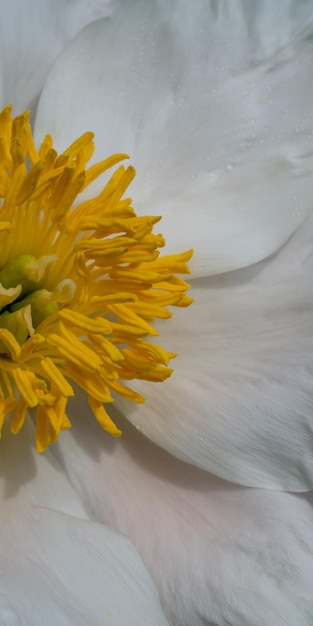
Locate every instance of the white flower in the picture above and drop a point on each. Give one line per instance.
(213, 102)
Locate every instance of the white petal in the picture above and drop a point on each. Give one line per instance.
(239, 403)
(57, 566)
(225, 554)
(214, 105)
(32, 34)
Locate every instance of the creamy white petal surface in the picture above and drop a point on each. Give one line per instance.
(240, 400)
(32, 34)
(213, 102)
(220, 554)
(58, 567)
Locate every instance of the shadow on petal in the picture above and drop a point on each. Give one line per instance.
(17, 463)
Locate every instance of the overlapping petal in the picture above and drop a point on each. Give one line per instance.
(57, 566)
(220, 554)
(213, 103)
(240, 400)
(32, 34)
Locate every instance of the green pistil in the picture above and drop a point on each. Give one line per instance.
(33, 304)
(26, 271)
(42, 302)
(19, 324)
(17, 273)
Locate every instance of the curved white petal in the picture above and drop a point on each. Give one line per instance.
(57, 566)
(220, 554)
(32, 34)
(240, 400)
(213, 101)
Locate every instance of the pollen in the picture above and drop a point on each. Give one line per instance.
(81, 284)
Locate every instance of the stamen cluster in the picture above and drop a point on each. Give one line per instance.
(80, 284)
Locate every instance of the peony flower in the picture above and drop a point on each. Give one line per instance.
(213, 102)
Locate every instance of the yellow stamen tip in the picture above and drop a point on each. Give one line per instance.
(80, 284)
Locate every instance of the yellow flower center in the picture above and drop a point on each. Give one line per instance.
(79, 286)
